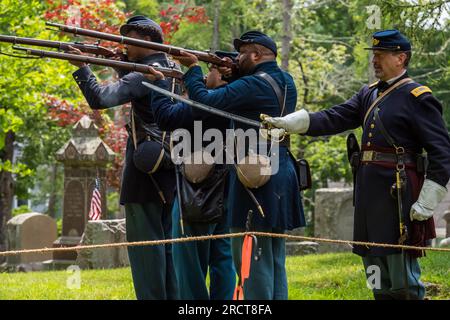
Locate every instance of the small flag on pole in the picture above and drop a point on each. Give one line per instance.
(96, 203)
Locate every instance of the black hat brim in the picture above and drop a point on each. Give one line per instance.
(393, 49)
(379, 48)
(238, 43)
(126, 28)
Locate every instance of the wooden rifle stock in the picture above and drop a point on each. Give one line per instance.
(129, 66)
(64, 46)
(172, 50)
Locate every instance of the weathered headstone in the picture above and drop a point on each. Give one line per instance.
(439, 214)
(102, 232)
(85, 157)
(446, 217)
(300, 248)
(333, 217)
(446, 242)
(30, 231)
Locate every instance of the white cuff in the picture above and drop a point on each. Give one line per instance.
(297, 122)
(430, 196)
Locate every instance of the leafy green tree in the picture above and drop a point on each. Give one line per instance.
(29, 136)
(149, 8)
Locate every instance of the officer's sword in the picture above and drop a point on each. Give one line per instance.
(203, 107)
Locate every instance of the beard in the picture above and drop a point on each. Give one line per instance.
(245, 68)
(378, 72)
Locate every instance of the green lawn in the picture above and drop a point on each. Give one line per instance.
(324, 276)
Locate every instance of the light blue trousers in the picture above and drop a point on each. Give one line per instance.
(392, 283)
(193, 260)
(151, 266)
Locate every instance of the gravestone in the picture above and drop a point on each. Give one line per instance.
(446, 242)
(300, 248)
(295, 247)
(446, 218)
(333, 217)
(102, 232)
(85, 157)
(439, 214)
(29, 231)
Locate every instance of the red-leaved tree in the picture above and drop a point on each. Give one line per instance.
(173, 14)
(104, 16)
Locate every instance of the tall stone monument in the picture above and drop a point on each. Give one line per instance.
(84, 157)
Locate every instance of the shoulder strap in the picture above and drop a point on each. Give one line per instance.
(133, 129)
(383, 130)
(280, 96)
(385, 94)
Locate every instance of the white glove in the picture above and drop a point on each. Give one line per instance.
(430, 196)
(296, 122)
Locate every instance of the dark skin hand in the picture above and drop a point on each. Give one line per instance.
(79, 53)
(226, 71)
(154, 75)
(188, 60)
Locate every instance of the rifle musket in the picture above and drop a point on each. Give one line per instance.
(201, 55)
(143, 68)
(52, 29)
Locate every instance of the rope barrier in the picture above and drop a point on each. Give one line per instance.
(219, 236)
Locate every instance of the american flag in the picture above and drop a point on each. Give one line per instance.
(96, 202)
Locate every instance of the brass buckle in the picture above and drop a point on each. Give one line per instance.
(367, 155)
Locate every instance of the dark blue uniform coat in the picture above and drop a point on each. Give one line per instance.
(415, 123)
(137, 186)
(193, 260)
(249, 96)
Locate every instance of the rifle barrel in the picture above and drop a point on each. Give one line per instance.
(129, 66)
(84, 47)
(172, 50)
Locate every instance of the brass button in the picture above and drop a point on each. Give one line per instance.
(372, 126)
(368, 144)
(370, 134)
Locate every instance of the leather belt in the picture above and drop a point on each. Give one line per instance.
(371, 156)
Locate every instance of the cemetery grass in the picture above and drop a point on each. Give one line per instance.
(321, 276)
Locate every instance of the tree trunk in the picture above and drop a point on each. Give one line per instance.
(215, 45)
(6, 188)
(371, 71)
(287, 34)
(52, 199)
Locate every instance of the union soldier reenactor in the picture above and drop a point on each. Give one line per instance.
(193, 260)
(396, 187)
(260, 87)
(148, 183)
